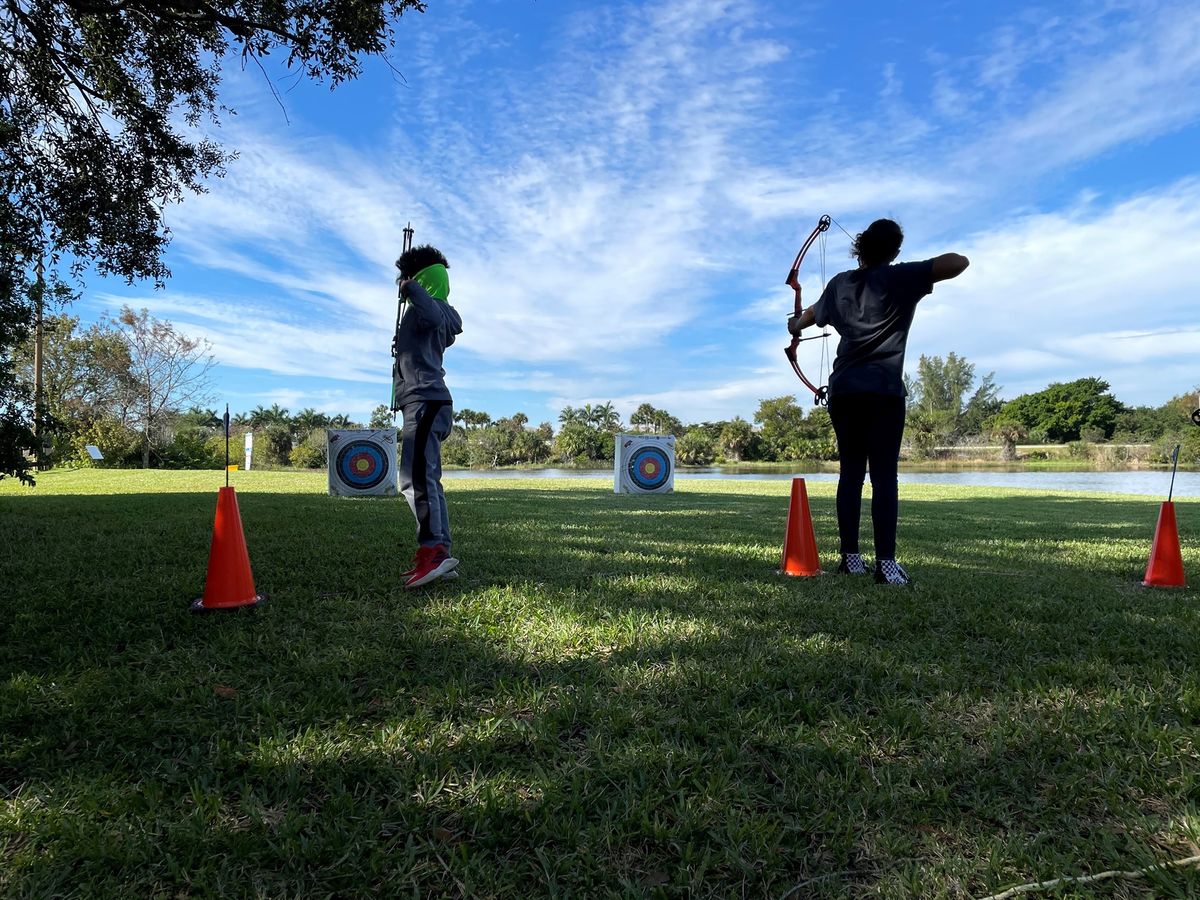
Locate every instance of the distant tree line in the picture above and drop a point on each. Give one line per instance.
(139, 390)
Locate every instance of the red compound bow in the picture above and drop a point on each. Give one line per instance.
(820, 394)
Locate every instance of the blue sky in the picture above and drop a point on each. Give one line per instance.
(621, 187)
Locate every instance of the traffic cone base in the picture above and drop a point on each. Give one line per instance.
(197, 605)
(799, 542)
(230, 583)
(1165, 568)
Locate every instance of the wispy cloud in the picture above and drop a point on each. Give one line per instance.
(622, 189)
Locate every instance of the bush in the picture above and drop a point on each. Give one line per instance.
(695, 448)
(1106, 455)
(276, 445)
(120, 445)
(455, 450)
(1189, 448)
(307, 457)
(1189, 452)
(190, 448)
(311, 453)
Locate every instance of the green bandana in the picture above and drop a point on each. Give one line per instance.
(436, 280)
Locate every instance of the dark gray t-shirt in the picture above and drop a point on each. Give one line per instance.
(427, 327)
(872, 309)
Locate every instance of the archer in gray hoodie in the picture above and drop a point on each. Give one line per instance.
(428, 325)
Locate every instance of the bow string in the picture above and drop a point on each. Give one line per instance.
(820, 394)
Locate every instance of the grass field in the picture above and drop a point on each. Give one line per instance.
(616, 698)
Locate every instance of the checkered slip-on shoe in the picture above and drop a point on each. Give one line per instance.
(888, 571)
(852, 564)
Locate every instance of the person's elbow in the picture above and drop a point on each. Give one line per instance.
(949, 265)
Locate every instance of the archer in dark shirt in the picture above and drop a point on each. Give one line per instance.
(872, 308)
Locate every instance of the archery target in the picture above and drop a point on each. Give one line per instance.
(644, 464)
(362, 462)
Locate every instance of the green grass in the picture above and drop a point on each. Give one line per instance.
(618, 697)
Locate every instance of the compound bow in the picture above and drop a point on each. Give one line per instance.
(405, 247)
(820, 394)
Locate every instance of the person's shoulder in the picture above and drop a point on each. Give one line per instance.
(915, 277)
(912, 266)
(914, 272)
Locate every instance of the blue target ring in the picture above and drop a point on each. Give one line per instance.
(362, 465)
(649, 468)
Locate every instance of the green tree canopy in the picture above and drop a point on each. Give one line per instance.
(1064, 411)
(781, 424)
(736, 439)
(944, 403)
(381, 417)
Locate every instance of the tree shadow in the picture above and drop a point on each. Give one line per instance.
(617, 696)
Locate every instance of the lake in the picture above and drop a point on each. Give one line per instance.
(1155, 484)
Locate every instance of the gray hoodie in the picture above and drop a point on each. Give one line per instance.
(427, 327)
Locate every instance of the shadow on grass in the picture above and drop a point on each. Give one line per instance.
(616, 696)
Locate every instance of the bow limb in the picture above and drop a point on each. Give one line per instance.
(793, 281)
(819, 393)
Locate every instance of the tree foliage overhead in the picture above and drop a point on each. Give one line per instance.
(93, 94)
(101, 105)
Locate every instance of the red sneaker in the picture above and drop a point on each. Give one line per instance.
(435, 563)
(418, 561)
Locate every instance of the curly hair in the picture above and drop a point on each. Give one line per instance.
(879, 244)
(413, 261)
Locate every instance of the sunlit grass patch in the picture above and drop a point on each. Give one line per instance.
(617, 696)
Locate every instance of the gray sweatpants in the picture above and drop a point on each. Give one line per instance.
(426, 424)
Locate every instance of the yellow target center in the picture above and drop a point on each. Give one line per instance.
(651, 468)
(362, 465)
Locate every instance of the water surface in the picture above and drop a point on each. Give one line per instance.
(1156, 483)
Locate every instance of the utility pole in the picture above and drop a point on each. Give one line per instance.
(39, 296)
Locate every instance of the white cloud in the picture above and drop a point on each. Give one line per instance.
(630, 197)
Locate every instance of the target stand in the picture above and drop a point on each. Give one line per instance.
(362, 462)
(644, 464)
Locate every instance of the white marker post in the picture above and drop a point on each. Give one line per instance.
(249, 448)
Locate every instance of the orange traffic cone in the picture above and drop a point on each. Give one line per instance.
(230, 584)
(799, 543)
(1165, 568)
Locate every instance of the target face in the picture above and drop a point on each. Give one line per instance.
(649, 468)
(362, 465)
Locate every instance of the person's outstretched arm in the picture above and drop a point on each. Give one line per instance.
(949, 265)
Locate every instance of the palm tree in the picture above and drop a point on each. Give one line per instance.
(309, 420)
(643, 417)
(608, 419)
(473, 419)
(278, 414)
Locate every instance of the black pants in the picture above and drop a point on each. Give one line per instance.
(869, 428)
